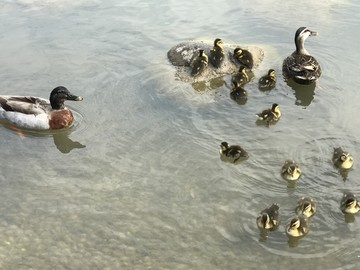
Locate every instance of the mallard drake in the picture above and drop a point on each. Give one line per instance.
(298, 226)
(349, 203)
(342, 159)
(306, 206)
(241, 77)
(217, 53)
(39, 113)
(268, 219)
(244, 57)
(238, 93)
(199, 64)
(290, 170)
(268, 81)
(270, 115)
(235, 152)
(300, 65)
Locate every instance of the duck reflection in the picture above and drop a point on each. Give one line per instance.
(304, 94)
(64, 144)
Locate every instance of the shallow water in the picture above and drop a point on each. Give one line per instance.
(137, 182)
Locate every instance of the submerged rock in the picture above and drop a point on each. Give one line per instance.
(183, 54)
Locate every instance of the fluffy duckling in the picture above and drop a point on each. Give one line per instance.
(199, 64)
(298, 226)
(235, 152)
(268, 81)
(349, 203)
(290, 170)
(268, 218)
(342, 159)
(270, 115)
(244, 57)
(217, 53)
(238, 93)
(306, 206)
(300, 65)
(241, 77)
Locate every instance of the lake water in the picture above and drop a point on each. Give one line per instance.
(137, 182)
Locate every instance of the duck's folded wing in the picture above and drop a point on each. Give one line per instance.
(26, 105)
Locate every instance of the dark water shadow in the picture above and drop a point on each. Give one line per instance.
(64, 144)
(349, 218)
(304, 94)
(212, 84)
(232, 160)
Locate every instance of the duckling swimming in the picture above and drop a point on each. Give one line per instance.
(268, 81)
(241, 77)
(238, 93)
(268, 218)
(270, 115)
(234, 152)
(199, 64)
(349, 203)
(244, 57)
(342, 159)
(298, 226)
(290, 170)
(217, 53)
(300, 65)
(306, 206)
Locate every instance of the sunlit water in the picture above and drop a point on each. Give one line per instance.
(137, 182)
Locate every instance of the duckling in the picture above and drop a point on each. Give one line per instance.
(238, 93)
(244, 57)
(270, 115)
(298, 226)
(290, 170)
(342, 159)
(234, 152)
(268, 218)
(199, 64)
(349, 203)
(241, 77)
(217, 53)
(300, 65)
(268, 81)
(306, 206)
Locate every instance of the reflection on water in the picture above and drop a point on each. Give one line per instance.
(304, 94)
(64, 144)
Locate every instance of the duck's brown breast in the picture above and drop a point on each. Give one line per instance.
(60, 119)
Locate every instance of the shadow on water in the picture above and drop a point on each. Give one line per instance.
(214, 83)
(304, 94)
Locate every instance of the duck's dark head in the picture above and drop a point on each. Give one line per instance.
(271, 73)
(237, 51)
(300, 36)
(201, 52)
(218, 42)
(224, 146)
(59, 95)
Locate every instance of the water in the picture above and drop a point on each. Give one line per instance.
(137, 182)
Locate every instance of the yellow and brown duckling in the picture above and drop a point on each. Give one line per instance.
(342, 159)
(349, 203)
(244, 57)
(233, 152)
(268, 81)
(306, 206)
(241, 77)
(300, 65)
(268, 219)
(271, 115)
(297, 226)
(238, 93)
(290, 170)
(199, 64)
(217, 53)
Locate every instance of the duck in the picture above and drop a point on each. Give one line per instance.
(349, 203)
(217, 53)
(199, 64)
(271, 115)
(300, 66)
(306, 206)
(268, 219)
(244, 57)
(342, 159)
(290, 170)
(238, 93)
(297, 227)
(39, 113)
(234, 152)
(268, 81)
(241, 77)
